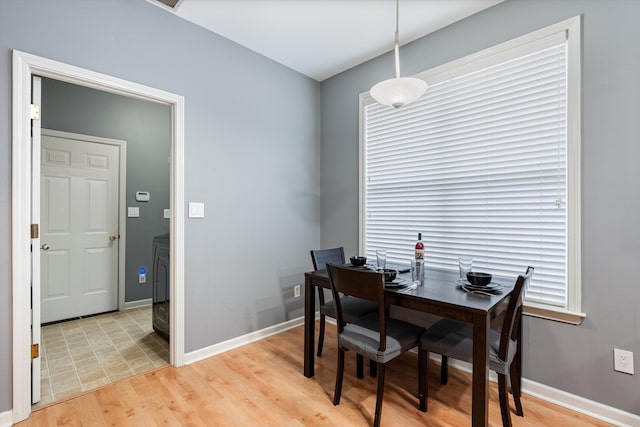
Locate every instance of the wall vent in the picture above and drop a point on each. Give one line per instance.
(172, 4)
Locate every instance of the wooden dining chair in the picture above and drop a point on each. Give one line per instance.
(444, 364)
(452, 338)
(375, 336)
(353, 308)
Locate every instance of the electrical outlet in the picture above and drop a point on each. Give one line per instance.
(623, 361)
(296, 291)
(142, 275)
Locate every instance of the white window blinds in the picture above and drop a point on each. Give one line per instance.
(478, 166)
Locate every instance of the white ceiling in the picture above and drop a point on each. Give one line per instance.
(321, 38)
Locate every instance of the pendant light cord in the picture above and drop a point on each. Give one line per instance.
(397, 43)
(400, 90)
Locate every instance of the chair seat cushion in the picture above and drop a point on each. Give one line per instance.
(452, 338)
(363, 336)
(352, 308)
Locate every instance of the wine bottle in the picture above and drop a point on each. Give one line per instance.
(419, 247)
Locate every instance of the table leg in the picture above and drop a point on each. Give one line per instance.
(309, 327)
(480, 387)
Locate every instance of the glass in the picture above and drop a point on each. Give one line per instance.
(465, 264)
(417, 271)
(381, 257)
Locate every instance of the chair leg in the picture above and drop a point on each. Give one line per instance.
(376, 421)
(359, 366)
(444, 370)
(423, 371)
(504, 400)
(321, 335)
(515, 372)
(373, 368)
(514, 376)
(339, 375)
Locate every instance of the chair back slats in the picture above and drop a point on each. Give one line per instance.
(321, 257)
(367, 285)
(513, 313)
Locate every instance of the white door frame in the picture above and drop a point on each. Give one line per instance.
(24, 66)
(36, 256)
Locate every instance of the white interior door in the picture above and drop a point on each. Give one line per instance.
(79, 227)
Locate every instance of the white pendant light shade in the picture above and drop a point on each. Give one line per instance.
(399, 91)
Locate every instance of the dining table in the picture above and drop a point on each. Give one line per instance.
(439, 294)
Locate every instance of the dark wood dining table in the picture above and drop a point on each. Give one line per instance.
(438, 295)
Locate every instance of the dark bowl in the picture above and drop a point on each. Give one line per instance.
(358, 261)
(390, 274)
(478, 279)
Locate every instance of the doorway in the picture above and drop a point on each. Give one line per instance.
(24, 67)
(88, 178)
(85, 342)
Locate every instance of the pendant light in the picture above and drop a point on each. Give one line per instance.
(401, 90)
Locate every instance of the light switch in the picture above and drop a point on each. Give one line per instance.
(196, 210)
(133, 212)
(167, 213)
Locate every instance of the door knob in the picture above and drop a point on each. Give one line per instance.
(113, 237)
(45, 247)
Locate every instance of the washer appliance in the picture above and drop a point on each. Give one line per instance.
(161, 280)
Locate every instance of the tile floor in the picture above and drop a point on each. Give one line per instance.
(80, 355)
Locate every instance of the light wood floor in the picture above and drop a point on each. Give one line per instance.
(261, 384)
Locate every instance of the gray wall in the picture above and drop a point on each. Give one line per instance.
(577, 359)
(251, 155)
(146, 126)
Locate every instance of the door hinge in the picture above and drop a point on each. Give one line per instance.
(34, 231)
(35, 112)
(35, 351)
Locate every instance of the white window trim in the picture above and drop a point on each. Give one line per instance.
(573, 30)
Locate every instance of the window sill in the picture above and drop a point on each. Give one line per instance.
(550, 313)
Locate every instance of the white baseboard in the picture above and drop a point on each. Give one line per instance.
(6, 419)
(558, 397)
(580, 404)
(139, 303)
(576, 403)
(233, 343)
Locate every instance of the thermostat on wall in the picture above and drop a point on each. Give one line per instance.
(142, 196)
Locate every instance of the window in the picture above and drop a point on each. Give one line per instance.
(485, 164)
